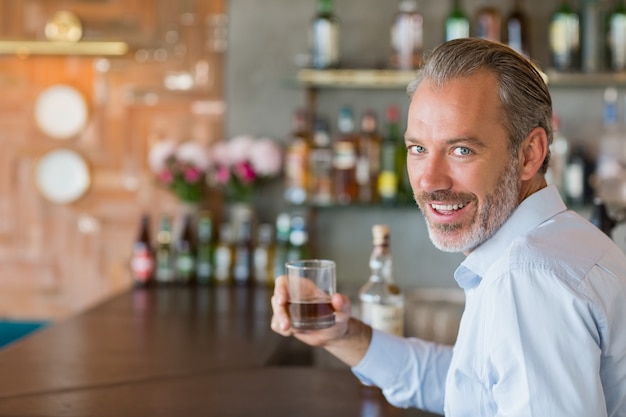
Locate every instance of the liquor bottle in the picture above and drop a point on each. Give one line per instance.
(457, 22)
(142, 259)
(559, 154)
(368, 158)
(576, 177)
(164, 273)
(517, 29)
(594, 36)
(382, 301)
(223, 255)
(610, 172)
(344, 158)
(296, 159)
(185, 263)
(488, 22)
(298, 239)
(283, 226)
(388, 180)
(242, 262)
(321, 165)
(264, 255)
(324, 37)
(407, 36)
(617, 36)
(565, 38)
(204, 251)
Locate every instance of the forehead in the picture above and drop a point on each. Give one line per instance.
(462, 106)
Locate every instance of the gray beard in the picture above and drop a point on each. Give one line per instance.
(497, 208)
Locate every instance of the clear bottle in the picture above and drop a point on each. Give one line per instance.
(457, 22)
(164, 273)
(264, 255)
(517, 29)
(388, 177)
(382, 301)
(204, 252)
(565, 38)
(344, 158)
(223, 255)
(142, 258)
(296, 159)
(282, 228)
(185, 264)
(298, 239)
(321, 165)
(324, 37)
(488, 22)
(368, 159)
(407, 36)
(617, 36)
(610, 171)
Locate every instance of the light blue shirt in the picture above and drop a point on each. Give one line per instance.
(543, 332)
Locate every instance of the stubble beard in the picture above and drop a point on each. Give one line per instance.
(495, 210)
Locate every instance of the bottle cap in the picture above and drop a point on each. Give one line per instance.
(380, 234)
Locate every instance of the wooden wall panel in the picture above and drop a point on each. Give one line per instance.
(57, 259)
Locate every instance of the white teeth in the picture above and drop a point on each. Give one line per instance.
(448, 207)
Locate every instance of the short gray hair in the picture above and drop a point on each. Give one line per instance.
(525, 98)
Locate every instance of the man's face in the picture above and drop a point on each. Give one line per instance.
(460, 169)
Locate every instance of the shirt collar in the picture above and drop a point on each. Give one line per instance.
(534, 210)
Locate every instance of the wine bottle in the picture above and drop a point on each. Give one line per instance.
(565, 38)
(321, 165)
(185, 264)
(264, 255)
(382, 301)
(164, 273)
(296, 159)
(324, 37)
(517, 29)
(142, 259)
(457, 22)
(368, 159)
(242, 262)
(223, 255)
(344, 159)
(617, 36)
(204, 251)
(388, 177)
(407, 36)
(488, 22)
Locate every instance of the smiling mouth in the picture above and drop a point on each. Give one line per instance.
(447, 207)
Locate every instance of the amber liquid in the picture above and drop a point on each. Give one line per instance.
(309, 315)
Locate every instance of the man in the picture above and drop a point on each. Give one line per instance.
(543, 331)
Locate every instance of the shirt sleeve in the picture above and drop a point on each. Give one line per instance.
(543, 356)
(411, 372)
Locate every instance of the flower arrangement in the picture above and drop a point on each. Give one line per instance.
(242, 162)
(181, 167)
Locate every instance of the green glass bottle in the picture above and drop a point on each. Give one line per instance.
(617, 36)
(185, 265)
(324, 37)
(164, 273)
(565, 38)
(388, 177)
(204, 251)
(457, 22)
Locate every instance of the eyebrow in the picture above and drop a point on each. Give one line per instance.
(466, 140)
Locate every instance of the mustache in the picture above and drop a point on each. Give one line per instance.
(443, 196)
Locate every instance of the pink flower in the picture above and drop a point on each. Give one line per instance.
(221, 154)
(192, 174)
(193, 153)
(266, 157)
(160, 153)
(245, 172)
(165, 176)
(222, 174)
(239, 148)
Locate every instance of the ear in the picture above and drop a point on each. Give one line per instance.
(533, 151)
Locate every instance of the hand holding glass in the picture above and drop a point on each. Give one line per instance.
(311, 284)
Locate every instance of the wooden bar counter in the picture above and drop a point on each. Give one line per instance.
(177, 352)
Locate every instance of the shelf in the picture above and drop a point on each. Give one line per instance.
(581, 79)
(92, 48)
(355, 78)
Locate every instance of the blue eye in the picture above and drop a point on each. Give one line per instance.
(416, 149)
(462, 151)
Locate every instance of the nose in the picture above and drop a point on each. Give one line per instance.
(429, 174)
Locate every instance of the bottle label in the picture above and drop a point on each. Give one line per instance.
(386, 318)
(142, 266)
(387, 184)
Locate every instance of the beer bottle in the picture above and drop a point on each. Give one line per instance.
(142, 259)
(204, 254)
(223, 255)
(264, 255)
(242, 263)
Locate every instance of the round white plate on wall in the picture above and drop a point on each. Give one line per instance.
(61, 111)
(62, 176)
